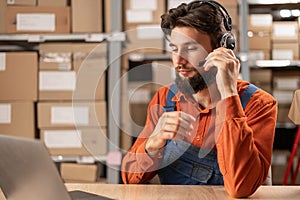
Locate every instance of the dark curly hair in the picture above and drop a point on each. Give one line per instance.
(200, 15)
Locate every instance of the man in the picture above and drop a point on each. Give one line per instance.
(212, 136)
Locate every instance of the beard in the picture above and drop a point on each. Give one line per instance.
(198, 82)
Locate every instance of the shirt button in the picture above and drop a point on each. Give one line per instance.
(198, 138)
(175, 142)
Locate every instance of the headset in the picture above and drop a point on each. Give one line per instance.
(228, 40)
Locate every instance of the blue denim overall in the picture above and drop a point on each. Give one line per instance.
(185, 164)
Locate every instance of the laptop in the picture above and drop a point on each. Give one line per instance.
(28, 172)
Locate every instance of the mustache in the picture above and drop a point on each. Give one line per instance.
(178, 67)
(183, 67)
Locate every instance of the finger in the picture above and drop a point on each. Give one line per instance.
(173, 124)
(221, 52)
(168, 127)
(187, 117)
(179, 114)
(165, 135)
(220, 62)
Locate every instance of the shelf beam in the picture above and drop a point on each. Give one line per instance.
(38, 38)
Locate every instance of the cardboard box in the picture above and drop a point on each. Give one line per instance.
(75, 142)
(286, 83)
(87, 16)
(163, 73)
(87, 80)
(107, 17)
(285, 51)
(231, 3)
(144, 39)
(73, 172)
(255, 55)
(17, 118)
(56, 85)
(233, 12)
(286, 31)
(52, 2)
(64, 85)
(293, 113)
(29, 19)
(261, 75)
(283, 96)
(231, 7)
(72, 114)
(59, 85)
(18, 76)
(262, 78)
(260, 22)
(145, 12)
(84, 54)
(90, 64)
(282, 114)
(55, 56)
(259, 40)
(21, 2)
(3, 16)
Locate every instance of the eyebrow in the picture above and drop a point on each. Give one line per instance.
(184, 44)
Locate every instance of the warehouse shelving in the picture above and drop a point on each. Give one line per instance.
(114, 39)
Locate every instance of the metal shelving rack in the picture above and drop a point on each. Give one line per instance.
(114, 88)
(114, 39)
(244, 48)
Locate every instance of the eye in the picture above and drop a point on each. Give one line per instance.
(191, 48)
(174, 49)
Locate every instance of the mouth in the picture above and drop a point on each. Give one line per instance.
(184, 71)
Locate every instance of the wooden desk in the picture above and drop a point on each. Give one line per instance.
(169, 192)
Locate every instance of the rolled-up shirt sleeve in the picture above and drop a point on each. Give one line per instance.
(137, 165)
(246, 142)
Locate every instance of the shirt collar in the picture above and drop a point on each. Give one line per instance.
(180, 97)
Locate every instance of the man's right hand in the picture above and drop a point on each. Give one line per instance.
(171, 125)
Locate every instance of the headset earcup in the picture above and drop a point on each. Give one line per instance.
(228, 41)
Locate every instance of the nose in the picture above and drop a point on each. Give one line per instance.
(179, 59)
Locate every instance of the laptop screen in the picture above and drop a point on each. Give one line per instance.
(27, 171)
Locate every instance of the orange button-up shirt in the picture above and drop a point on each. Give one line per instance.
(243, 138)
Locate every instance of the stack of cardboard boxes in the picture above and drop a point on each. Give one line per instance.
(285, 37)
(35, 16)
(275, 40)
(72, 116)
(18, 88)
(142, 26)
(284, 85)
(46, 16)
(57, 94)
(141, 23)
(259, 36)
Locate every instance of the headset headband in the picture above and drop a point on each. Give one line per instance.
(226, 17)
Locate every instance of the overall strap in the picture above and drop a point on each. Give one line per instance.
(171, 105)
(247, 94)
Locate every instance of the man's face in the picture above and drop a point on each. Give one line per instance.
(189, 47)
